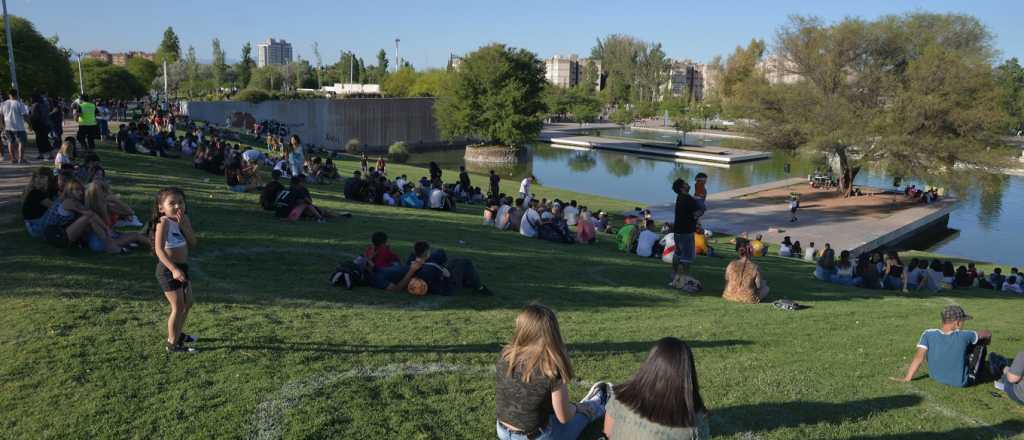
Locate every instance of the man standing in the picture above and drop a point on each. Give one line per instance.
(684, 226)
(464, 180)
(102, 120)
(14, 113)
(87, 128)
(524, 186)
(955, 356)
(39, 119)
(494, 180)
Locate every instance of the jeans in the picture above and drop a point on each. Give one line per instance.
(87, 136)
(554, 431)
(823, 274)
(846, 280)
(892, 283)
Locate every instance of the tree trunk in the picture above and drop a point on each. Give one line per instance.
(846, 174)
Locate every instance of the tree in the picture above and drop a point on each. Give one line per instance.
(740, 66)
(220, 67)
(106, 81)
(622, 116)
(1009, 77)
(429, 83)
(170, 48)
(269, 78)
(319, 65)
(245, 66)
(913, 93)
(41, 65)
(618, 55)
(494, 97)
(145, 71)
(382, 66)
(192, 70)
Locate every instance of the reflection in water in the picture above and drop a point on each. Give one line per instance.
(989, 219)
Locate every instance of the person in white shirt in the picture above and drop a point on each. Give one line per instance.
(1012, 285)
(646, 240)
(571, 213)
(436, 198)
(102, 119)
(811, 253)
(531, 221)
(524, 186)
(786, 248)
(400, 182)
(502, 219)
(14, 113)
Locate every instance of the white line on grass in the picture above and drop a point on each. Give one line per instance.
(268, 419)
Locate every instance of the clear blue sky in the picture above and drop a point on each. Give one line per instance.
(429, 30)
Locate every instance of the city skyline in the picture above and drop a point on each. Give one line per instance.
(698, 32)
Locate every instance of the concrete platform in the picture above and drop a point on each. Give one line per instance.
(745, 211)
(670, 150)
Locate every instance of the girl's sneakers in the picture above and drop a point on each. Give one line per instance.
(187, 338)
(177, 348)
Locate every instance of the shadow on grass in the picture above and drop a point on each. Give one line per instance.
(769, 416)
(583, 347)
(1004, 430)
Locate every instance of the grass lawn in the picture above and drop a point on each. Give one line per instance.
(284, 355)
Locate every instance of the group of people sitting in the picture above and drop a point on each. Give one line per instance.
(373, 185)
(926, 196)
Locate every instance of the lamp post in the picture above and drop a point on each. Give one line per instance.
(398, 56)
(81, 81)
(10, 48)
(351, 61)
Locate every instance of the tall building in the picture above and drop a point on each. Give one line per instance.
(122, 58)
(778, 70)
(562, 71)
(709, 76)
(101, 55)
(454, 62)
(685, 78)
(273, 52)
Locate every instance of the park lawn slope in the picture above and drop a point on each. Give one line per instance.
(285, 355)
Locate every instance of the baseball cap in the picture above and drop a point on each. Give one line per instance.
(955, 313)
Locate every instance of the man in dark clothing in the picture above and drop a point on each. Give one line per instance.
(440, 275)
(685, 225)
(269, 194)
(354, 187)
(494, 180)
(464, 180)
(39, 119)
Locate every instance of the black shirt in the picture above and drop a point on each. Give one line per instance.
(297, 195)
(686, 214)
(269, 194)
(33, 207)
(525, 405)
(464, 180)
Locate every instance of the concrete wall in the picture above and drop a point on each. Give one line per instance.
(330, 123)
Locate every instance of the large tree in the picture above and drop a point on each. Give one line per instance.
(913, 93)
(170, 48)
(219, 66)
(143, 70)
(429, 83)
(245, 66)
(107, 81)
(192, 71)
(1010, 79)
(494, 97)
(41, 65)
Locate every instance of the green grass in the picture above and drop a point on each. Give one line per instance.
(284, 355)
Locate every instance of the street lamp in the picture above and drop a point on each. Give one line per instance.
(398, 56)
(81, 82)
(10, 48)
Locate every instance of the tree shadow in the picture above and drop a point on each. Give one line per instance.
(766, 417)
(1004, 430)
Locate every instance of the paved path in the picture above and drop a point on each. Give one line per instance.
(13, 178)
(729, 214)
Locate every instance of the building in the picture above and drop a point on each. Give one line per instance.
(778, 70)
(101, 55)
(454, 62)
(599, 75)
(122, 58)
(562, 71)
(709, 76)
(273, 52)
(685, 78)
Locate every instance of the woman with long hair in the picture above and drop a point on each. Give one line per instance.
(826, 266)
(894, 272)
(531, 393)
(296, 157)
(743, 280)
(661, 400)
(844, 271)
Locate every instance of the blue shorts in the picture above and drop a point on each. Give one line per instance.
(237, 188)
(686, 250)
(35, 227)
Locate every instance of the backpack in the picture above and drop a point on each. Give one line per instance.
(628, 238)
(348, 274)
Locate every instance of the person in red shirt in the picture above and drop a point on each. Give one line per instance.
(379, 253)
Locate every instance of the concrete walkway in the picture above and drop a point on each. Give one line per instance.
(13, 178)
(734, 214)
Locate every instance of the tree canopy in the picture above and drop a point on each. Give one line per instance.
(494, 97)
(170, 48)
(107, 81)
(914, 93)
(145, 71)
(41, 65)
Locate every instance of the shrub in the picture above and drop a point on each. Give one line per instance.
(398, 152)
(252, 95)
(353, 146)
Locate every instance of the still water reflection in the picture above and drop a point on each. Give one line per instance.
(989, 219)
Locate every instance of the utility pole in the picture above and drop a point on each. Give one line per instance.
(10, 48)
(398, 57)
(81, 81)
(165, 76)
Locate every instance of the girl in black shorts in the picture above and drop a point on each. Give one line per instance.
(172, 238)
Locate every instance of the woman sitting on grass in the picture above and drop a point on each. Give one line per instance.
(96, 200)
(585, 231)
(895, 274)
(844, 271)
(68, 221)
(38, 196)
(237, 180)
(743, 281)
(533, 370)
(662, 399)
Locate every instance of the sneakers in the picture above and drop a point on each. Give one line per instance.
(187, 338)
(177, 348)
(593, 403)
(999, 385)
(599, 391)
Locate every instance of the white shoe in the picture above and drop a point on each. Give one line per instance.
(999, 385)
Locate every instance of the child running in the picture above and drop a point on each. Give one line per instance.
(172, 239)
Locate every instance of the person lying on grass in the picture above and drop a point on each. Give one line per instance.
(439, 276)
(662, 399)
(532, 374)
(172, 238)
(955, 356)
(300, 202)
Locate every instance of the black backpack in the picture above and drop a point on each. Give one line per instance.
(348, 274)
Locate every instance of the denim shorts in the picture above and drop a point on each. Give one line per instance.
(20, 135)
(686, 250)
(237, 188)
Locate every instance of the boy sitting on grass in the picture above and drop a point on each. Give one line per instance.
(955, 356)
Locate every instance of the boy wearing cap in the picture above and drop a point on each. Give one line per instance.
(954, 355)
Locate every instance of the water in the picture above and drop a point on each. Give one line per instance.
(989, 220)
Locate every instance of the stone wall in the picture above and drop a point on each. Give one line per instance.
(331, 123)
(495, 154)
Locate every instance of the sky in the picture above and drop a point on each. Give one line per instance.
(431, 30)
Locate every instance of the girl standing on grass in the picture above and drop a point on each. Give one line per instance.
(296, 157)
(172, 238)
(532, 399)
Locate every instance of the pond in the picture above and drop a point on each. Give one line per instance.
(988, 224)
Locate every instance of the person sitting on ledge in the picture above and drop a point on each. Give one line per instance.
(743, 280)
(955, 356)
